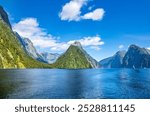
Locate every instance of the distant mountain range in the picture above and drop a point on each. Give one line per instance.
(49, 58)
(113, 62)
(135, 57)
(19, 52)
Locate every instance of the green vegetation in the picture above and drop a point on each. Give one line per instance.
(11, 53)
(74, 58)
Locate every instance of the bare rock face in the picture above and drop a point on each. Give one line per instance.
(49, 58)
(29, 48)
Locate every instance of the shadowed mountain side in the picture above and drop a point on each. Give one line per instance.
(114, 61)
(137, 57)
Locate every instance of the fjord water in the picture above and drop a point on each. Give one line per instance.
(68, 84)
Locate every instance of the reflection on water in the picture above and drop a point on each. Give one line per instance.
(87, 83)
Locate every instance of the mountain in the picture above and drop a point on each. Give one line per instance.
(29, 48)
(91, 60)
(4, 16)
(49, 57)
(12, 55)
(27, 45)
(114, 61)
(75, 57)
(137, 57)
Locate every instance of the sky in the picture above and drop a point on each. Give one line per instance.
(102, 26)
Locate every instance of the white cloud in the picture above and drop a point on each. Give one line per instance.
(121, 46)
(30, 28)
(91, 7)
(89, 41)
(148, 48)
(72, 11)
(97, 48)
(95, 15)
(27, 27)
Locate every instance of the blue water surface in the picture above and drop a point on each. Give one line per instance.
(75, 84)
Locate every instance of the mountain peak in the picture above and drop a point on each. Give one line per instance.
(134, 46)
(4, 16)
(121, 53)
(77, 43)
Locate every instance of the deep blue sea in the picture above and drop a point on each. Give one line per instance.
(75, 84)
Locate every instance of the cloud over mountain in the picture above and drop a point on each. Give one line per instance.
(121, 46)
(41, 39)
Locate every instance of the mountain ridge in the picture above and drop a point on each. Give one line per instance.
(135, 57)
(4, 16)
(29, 48)
(12, 54)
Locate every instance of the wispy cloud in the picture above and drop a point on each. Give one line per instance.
(41, 39)
(95, 15)
(30, 28)
(89, 41)
(91, 7)
(121, 46)
(97, 48)
(71, 11)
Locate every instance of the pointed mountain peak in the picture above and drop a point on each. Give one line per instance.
(77, 43)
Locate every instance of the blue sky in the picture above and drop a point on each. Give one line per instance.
(102, 26)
